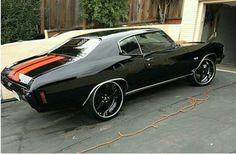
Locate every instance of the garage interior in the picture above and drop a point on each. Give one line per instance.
(221, 18)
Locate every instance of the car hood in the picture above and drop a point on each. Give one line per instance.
(28, 69)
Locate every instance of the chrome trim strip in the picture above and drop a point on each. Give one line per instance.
(203, 59)
(138, 45)
(94, 88)
(156, 84)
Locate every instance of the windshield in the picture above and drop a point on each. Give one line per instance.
(79, 47)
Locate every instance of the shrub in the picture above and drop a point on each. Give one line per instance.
(20, 19)
(105, 13)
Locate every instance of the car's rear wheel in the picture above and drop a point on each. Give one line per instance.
(106, 101)
(205, 73)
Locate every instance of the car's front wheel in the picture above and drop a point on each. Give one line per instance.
(205, 73)
(106, 101)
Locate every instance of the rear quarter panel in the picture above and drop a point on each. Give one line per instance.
(72, 84)
(199, 51)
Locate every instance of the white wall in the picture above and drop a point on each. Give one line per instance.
(190, 14)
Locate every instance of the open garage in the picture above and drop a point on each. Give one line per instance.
(220, 18)
(201, 18)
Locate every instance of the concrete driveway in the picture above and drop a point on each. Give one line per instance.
(210, 127)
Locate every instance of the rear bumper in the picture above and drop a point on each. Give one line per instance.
(21, 91)
(54, 100)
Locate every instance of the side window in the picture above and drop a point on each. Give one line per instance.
(154, 41)
(130, 46)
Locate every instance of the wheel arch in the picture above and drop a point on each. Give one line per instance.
(122, 82)
(212, 56)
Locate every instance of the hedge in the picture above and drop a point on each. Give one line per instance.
(20, 20)
(105, 13)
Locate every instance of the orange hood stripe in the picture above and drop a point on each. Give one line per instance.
(25, 70)
(31, 62)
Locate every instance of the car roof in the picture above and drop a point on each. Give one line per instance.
(108, 46)
(118, 33)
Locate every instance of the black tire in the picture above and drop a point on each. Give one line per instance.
(205, 73)
(106, 101)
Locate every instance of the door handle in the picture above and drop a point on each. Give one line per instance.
(149, 59)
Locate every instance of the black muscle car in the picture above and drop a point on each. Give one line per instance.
(98, 69)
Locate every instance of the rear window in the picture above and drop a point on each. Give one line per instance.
(80, 47)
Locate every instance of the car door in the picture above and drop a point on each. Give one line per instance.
(160, 56)
(134, 66)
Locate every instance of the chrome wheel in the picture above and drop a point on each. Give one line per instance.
(107, 100)
(205, 73)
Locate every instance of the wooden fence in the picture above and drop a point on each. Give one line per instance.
(60, 15)
(148, 11)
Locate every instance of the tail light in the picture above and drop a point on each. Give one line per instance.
(43, 97)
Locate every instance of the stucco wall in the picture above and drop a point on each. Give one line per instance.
(190, 14)
(13, 52)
